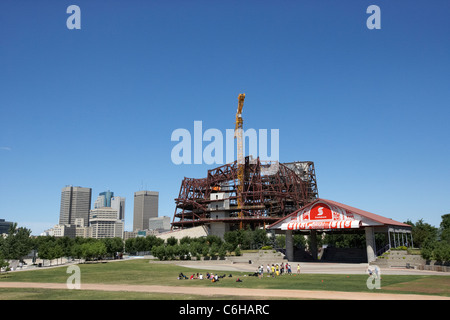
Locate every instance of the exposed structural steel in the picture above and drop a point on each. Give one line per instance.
(267, 195)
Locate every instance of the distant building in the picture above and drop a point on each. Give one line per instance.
(118, 203)
(103, 199)
(104, 223)
(4, 226)
(75, 203)
(61, 230)
(107, 199)
(160, 224)
(145, 207)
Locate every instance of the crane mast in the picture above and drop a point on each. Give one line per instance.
(238, 134)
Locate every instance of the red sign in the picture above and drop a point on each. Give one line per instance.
(343, 224)
(320, 212)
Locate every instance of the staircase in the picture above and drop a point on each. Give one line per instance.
(398, 259)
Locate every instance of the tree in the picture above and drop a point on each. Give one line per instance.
(445, 228)
(140, 244)
(222, 251)
(129, 246)
(159, 252)
(3, 262)
(231, 237)
(46, 251)
(260, 238)
(422, 232)
(93, 250)
(171, 241)
(152, 241)
(113, 245)
(17, 243)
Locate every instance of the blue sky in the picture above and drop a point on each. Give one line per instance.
(96, 107)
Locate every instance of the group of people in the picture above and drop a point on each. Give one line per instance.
(272, 271)
(208, 276)
(276, 269)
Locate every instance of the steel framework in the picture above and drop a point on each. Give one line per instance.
(266, 195)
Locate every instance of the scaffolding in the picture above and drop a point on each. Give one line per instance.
(266, 195)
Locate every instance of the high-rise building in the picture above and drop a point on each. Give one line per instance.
(4, 226)
(118, 203)
(104, 223)
(104, 199)
(145, 207)
(107, 199)
(75, 203)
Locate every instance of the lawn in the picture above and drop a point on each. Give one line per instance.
(141, 272)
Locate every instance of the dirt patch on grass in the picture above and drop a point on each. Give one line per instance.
(426, 285)
(211, 292)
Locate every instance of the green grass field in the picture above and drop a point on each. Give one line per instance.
(141, 272)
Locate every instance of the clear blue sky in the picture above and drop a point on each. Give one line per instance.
(96, 107)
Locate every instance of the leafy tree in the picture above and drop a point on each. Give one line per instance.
(159, 252)
(231, 237)
(113, 245)
(422, 232)
(222, 251)
(183, 251)
(93, 250)
(196, 249)
(3, 262)
(47, 251)
(171, 251)
(445, 228)
(129, 246)
(205, 250)
(65, 243)
(153, 241)
(442, 252)
(141, 244)
(17, 243)
(76, 251)
(171, 241)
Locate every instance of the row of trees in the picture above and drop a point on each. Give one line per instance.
(433, 242)
(50, 248)
(18, 243)
(206, 247)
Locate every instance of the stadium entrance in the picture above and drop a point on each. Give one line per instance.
(324, 215)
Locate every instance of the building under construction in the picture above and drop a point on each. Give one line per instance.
(257, 195)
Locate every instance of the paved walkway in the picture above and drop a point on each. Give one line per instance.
(241, 292)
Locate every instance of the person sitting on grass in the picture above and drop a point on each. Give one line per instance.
(181, 276)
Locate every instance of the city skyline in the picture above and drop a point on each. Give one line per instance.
(97, 106)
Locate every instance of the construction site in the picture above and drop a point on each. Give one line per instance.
(249, 192)
(282, 198)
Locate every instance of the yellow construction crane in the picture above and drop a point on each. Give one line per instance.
(238, 134)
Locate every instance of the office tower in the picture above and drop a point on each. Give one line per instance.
(118, 203)
(104, 199)
(75, 203)
(4, 226)
(104, 223)
(145, 207)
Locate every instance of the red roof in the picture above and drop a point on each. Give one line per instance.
(369, 215)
